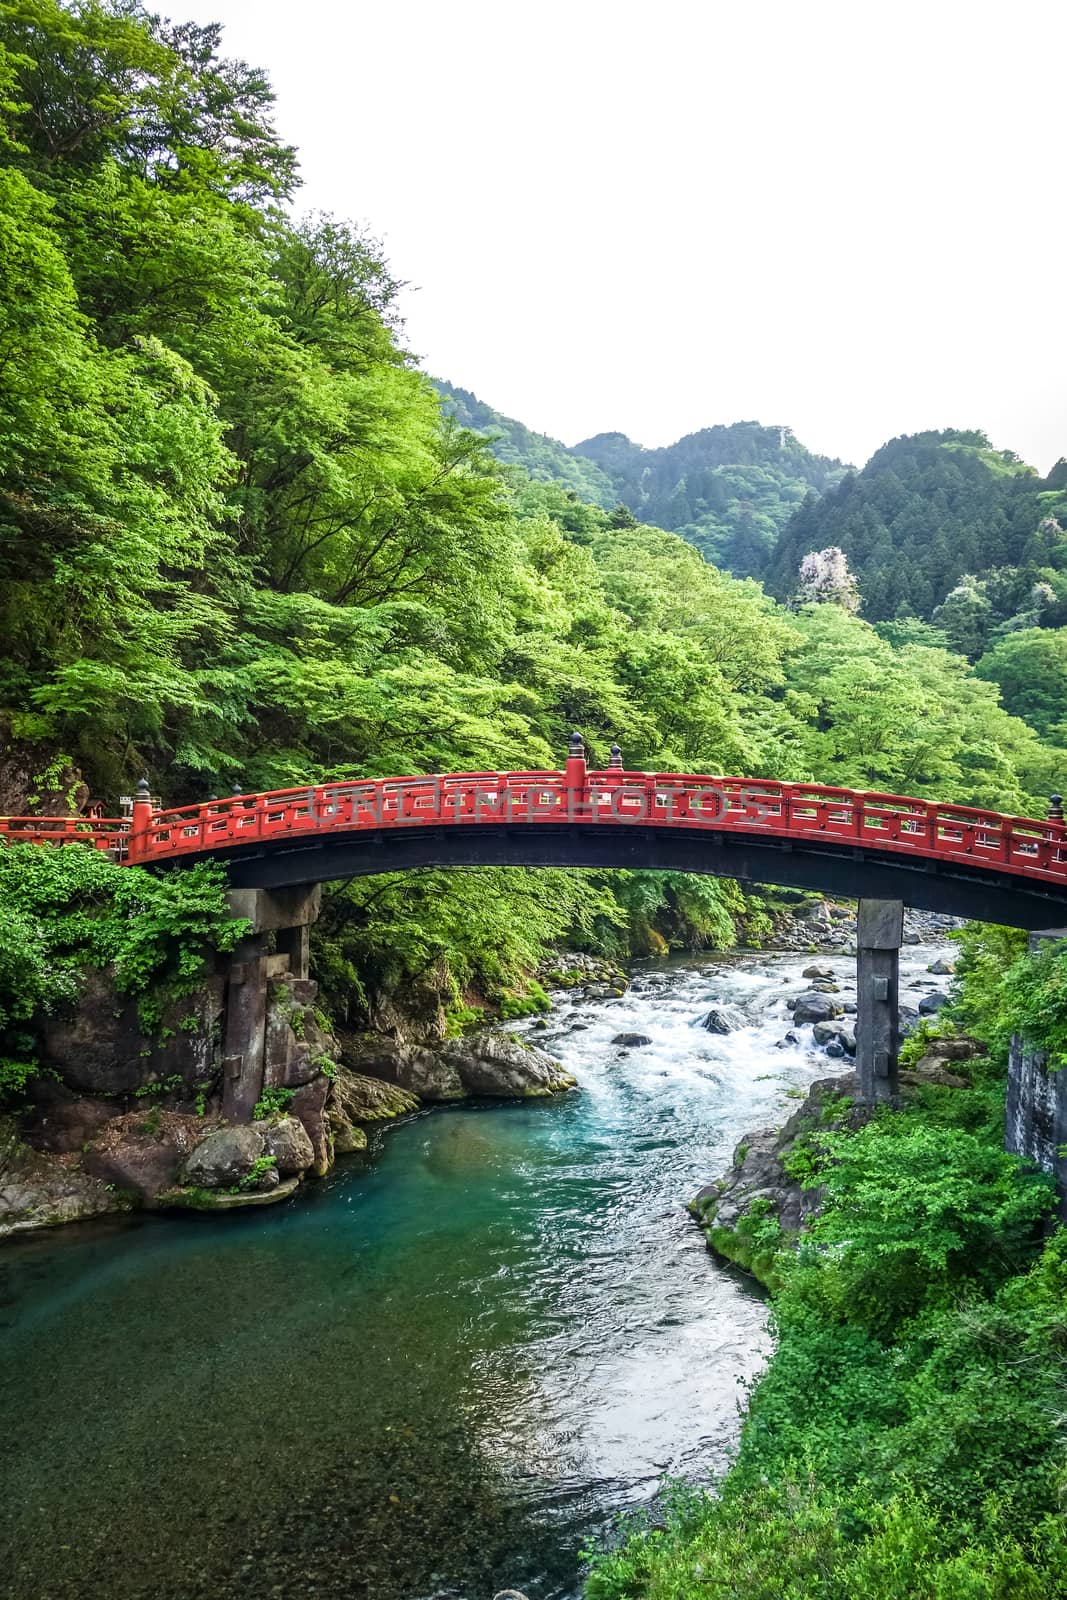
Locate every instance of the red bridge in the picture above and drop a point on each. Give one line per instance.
(851, 842)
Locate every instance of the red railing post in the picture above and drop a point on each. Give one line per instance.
(140, 823)
(575, 779)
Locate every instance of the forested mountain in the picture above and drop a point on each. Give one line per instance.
(942, 527)
(541, 458)
(728, 490)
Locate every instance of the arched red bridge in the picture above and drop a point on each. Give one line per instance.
(849, 842)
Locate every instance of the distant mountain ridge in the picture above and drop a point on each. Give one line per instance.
(729, 490)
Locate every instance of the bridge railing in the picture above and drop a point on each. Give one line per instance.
(814, 812)
(104, 833)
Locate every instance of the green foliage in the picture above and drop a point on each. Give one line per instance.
(917, 1211)
(1007, 989)
(273, 1102)
(905, 1439)
(728, 490)
(253, 1178)
(484, 928)
(69, 908)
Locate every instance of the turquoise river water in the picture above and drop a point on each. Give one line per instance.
(439, 1372)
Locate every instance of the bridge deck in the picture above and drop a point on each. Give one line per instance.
(495, 817)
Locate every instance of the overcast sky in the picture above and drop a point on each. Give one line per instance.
(846, 216)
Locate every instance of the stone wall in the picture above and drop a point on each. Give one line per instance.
(1036, 1120)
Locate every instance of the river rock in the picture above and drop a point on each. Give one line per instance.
(815, 1007)
(497, 1064)
(364, 1099)
(421, 1071)
(956, 1047)
(827, 1033)
(930, 1004)
(632, 1041)
(225, 1157)
(309, 1104)
(932, 1069)
(39, 1191)
(910, 937)
(758, 1172)
(941, 967)
(288, 1142)
(724, 1019)
(344, 1135)
(817, 972)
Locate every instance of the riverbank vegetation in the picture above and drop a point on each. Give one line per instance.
(907, 1437)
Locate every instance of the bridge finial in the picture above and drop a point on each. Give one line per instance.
(577, 745)
(144, 790)
(616, 758)
(1055, 808)
(236, 790)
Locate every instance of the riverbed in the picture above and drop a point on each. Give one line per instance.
(440, 1371)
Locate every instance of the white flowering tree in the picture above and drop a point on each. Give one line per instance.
(826, 580)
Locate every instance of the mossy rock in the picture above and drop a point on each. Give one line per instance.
(223, 1199)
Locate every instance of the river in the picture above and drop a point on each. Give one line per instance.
(440, 1371)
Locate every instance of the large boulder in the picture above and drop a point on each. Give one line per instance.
(942, 968)
(288, 1142)
(499, 1065)
(38, 1191)
(344, 1135)
(931, 1004)
(225, 1157)
(142, 1154)
(817, 972)
(813, 1007)
(632, 1041)
(420, 1071)
(724, 1019)
(98, 1047)
(364, 1099)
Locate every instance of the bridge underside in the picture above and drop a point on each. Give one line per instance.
(847, 871)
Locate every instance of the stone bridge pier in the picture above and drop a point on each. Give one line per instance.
(278, 917)
(879, 935)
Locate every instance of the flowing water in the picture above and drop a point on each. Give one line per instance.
(438, 1372)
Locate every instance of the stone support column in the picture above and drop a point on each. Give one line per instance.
(245, 1031)
(879, 934)
(287, 915)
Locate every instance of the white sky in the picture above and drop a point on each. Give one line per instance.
(847, 216)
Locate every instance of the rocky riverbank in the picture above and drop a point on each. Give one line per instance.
(118, 1120)
(765, 1193)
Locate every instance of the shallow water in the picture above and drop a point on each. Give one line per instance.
(441, 1370)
